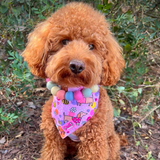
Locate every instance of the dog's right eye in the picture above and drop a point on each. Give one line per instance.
(65, 41)
(91, 46)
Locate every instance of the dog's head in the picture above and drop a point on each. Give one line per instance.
(74, 47)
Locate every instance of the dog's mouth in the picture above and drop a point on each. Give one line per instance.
(66, 78)
(64, 75)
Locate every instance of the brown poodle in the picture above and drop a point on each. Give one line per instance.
(77, 34)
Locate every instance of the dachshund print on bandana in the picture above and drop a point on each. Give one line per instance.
(70, 115)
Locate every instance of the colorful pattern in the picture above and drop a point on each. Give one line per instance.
(69, 95)
(70, 115)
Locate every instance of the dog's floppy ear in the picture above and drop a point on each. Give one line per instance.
(113, 63)
(35, 52)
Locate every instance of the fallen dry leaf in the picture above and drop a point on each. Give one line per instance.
(19, 103)
(159, 155)
(2, 140)
(31, 105)
(19, 134)
(123, 140)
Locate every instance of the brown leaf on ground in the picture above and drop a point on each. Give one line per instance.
(123, 140)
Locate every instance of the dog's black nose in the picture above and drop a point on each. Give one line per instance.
(76, 66)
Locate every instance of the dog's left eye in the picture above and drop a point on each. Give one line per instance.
(91, 46)
(65, 41)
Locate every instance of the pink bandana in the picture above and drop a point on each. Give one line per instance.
(70, 115)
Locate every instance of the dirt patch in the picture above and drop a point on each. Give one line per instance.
(142, 143)
(25, 142)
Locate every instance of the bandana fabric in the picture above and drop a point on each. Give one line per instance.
(71, 115)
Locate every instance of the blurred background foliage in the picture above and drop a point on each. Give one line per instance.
(135, 24)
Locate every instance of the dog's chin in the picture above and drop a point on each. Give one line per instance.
(68, 79)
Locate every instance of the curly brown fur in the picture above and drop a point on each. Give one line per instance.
(48, 57)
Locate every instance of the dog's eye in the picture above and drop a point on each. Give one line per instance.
(91, 46)
(65, 41)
